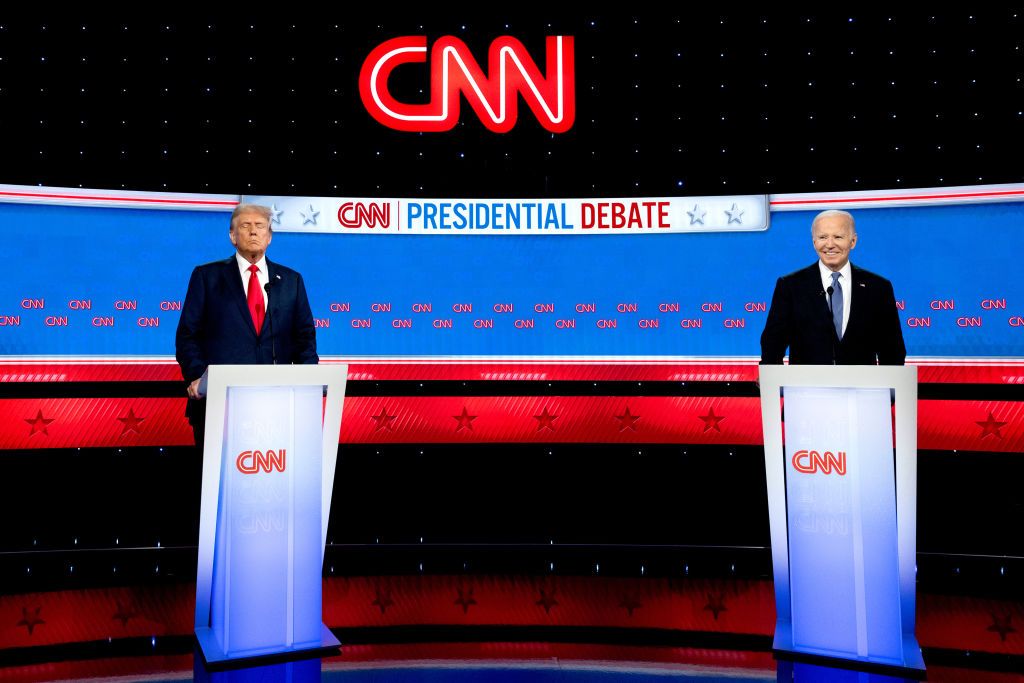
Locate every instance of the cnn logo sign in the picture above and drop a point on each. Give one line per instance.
(454, 73)
(254, 462)
(810, 462)
(358, 214)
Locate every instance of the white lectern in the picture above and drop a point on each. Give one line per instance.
(841, 470)
(271, 446)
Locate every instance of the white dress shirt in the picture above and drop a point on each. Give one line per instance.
(845, 281)
(264, 278)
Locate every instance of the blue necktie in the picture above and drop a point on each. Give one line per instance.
(837, 305)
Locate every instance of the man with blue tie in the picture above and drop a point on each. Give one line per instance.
(243, 310)
(833, 313)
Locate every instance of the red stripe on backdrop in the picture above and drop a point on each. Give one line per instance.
(558, 419)
(706, 605)
(93, 422)
(411, 370)
(597, 371)
(996, 426)
(957, 622)
(90, 372)
(970, 374)
(96, 614)
(971, 425)
(651, 371)
(745, 607)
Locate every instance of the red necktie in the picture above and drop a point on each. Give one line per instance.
(255, 299)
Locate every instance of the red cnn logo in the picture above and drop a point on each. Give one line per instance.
(810, 462)
(252, 462)
(357, 214)
(454, 72)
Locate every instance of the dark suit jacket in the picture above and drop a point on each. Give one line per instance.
(216, 327)
(800, 319)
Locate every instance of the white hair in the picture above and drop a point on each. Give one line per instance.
(836, 212)
(250, 208)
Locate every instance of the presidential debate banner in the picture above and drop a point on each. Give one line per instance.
(93, 273)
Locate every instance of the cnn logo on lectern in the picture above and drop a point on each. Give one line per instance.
(254, 462)
(811, 462)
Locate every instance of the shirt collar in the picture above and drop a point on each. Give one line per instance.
(826, 274)
(243, 264)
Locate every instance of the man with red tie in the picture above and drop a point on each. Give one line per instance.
(244, 310)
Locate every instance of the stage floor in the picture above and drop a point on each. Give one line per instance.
(502, 662)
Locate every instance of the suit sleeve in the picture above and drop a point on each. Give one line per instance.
(188, 340)
(891, 349)
(304, 331)
(778, 327)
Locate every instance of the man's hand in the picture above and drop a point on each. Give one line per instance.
(193, 389)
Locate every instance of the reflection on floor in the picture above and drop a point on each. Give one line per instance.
(502, 662)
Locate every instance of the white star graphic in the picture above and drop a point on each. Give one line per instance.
(275, 214)
(309, 216)
(696, 216)
(734, 214)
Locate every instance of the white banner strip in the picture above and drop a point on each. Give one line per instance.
(614, 216)
(884, 199)
(617, 216)
(124, 199)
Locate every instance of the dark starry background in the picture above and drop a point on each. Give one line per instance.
(667, 104)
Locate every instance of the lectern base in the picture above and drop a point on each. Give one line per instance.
(912, 667)
(214, 655)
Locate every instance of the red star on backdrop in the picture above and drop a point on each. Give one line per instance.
(465, 420)
(990, 426)
(124, 614)
(131, 423)
(30, 621)
(383, 420)
(630, 602)
(547, 601)
(545, 420)
(39, 425)
(711, 420)
(1001, 625)
(627, 421)
(465, 599)
(716, 603)
(383, 600)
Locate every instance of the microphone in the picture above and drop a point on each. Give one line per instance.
(270, 321)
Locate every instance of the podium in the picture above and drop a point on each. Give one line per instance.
(271, 447)
(841, 470)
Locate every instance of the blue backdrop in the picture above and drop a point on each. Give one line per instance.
(63, 258)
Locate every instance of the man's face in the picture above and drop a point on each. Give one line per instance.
(833, 239)
(250, 233)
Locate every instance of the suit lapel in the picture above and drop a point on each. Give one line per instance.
(233, 283)
(274, 295)
(812, 283)
(858, 301)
